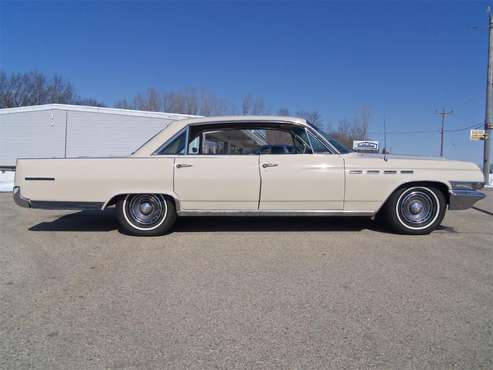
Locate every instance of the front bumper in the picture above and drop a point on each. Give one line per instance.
(19, 200)
(464, 199)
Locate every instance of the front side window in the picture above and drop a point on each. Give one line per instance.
(228, 140)
(339, 146)
(317, 145)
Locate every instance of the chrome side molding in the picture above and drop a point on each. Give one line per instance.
(39, 178)
(271, 212)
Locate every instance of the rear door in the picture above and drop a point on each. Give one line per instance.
(220, 171)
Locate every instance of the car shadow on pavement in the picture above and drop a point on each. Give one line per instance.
(300, 223)
(106, 221)
(80, 221)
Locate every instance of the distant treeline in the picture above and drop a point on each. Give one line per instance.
(35, 88)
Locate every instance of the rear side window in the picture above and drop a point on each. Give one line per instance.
(175, 146)
(226, 141)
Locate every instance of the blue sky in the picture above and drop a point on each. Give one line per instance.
(404, 59)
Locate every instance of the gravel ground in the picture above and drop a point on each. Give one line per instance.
(249, 293)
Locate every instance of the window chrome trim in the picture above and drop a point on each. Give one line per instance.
(187, 136)
(186, 130)
(324, 141)
(308, 129)
(309, 140)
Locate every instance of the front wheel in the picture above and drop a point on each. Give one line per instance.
(415, 210)
(146, 214)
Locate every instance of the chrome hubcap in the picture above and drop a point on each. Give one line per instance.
(417, 208)
(147, 209)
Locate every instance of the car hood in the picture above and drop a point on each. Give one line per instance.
(356, 159)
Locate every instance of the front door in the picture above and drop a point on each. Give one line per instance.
(302, 182)
(301, 178)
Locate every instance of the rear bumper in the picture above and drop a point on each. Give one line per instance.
(464, 199)
(19, 199)
(42, 204)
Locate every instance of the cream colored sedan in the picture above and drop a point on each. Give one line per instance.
(250, 165)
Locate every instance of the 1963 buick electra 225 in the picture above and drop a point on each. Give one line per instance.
(246, 166)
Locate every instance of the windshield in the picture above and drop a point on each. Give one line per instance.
(340, 147)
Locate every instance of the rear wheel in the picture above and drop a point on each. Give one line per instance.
(415, 210)
(146, 214)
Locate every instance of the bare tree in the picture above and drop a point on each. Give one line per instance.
(123, 104)
(34, 88)
(356, 129)
(361, 122)
(246, 104)
(154, 102)
(253, 105)
(283, 112)
(60, 91)
(189, 101)
(89, 102)
(314, 117)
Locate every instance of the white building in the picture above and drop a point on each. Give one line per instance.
(60, 131)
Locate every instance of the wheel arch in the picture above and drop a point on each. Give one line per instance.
(116, 197)
(442, 186)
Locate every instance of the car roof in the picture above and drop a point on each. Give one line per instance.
(177, 126)
(238, 119)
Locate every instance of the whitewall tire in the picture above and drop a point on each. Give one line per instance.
(146, 214)
(415, 210)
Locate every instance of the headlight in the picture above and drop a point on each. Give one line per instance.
(466, 185)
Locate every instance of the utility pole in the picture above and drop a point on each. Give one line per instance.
(488, 124)
(444, 115)
(385, 134)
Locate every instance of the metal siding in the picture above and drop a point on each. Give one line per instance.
(103, 134)
(31, 135)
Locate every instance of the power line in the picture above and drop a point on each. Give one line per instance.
(465, 128)
(424, 131)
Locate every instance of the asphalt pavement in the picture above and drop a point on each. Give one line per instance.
(244, 293)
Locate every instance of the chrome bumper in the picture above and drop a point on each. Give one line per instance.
(464, 199)
(19, 200)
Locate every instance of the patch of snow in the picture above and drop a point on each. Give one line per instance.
(6, 181)
(490, 185)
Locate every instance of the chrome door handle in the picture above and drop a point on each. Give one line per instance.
(181, 165)
(265, 165)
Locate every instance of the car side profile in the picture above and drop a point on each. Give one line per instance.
(250, 165)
